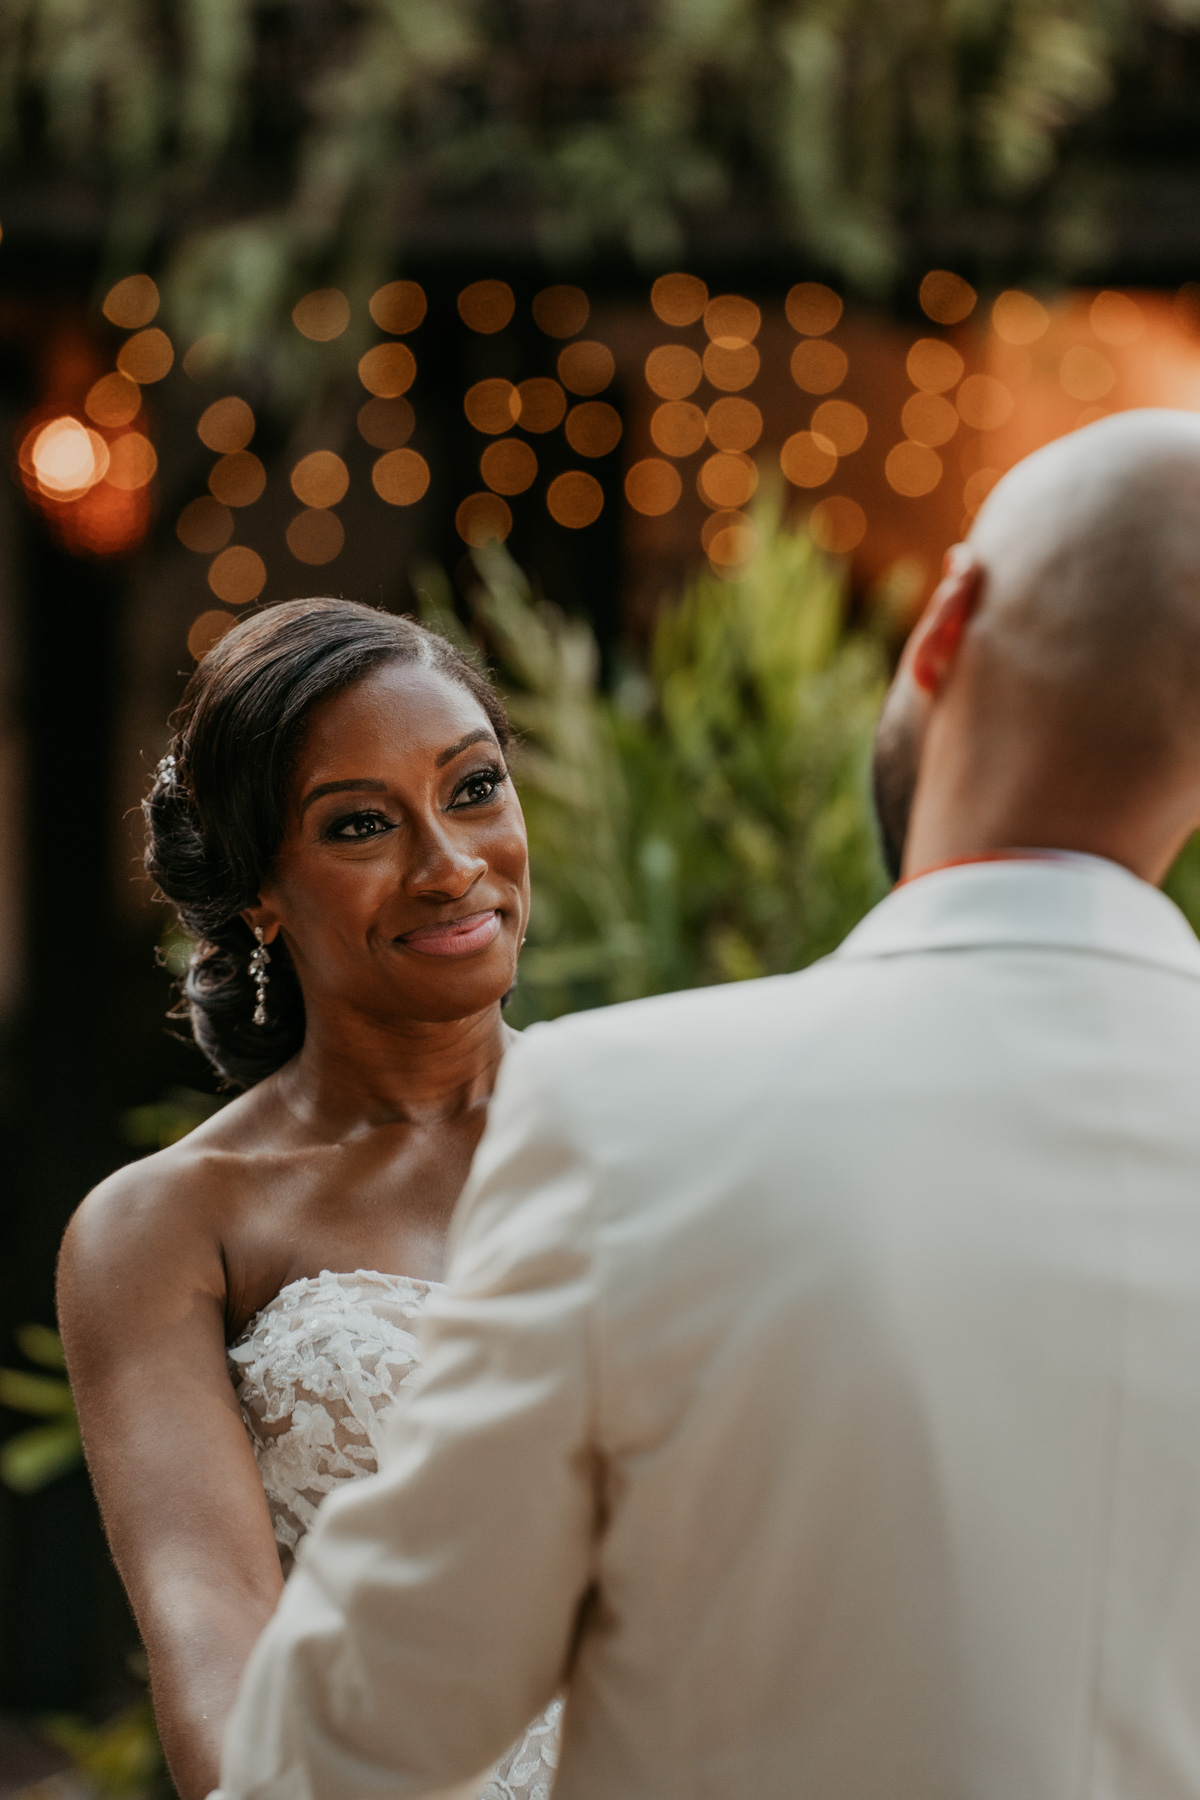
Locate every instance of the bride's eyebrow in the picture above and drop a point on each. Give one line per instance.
(480, 736)
(341, 787)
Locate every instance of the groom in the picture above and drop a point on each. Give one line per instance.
(815, 1397)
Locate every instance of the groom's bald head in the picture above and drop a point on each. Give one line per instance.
(1054, 682)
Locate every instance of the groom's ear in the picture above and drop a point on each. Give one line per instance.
(938, 633)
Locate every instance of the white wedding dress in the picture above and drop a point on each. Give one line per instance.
(316, 1371)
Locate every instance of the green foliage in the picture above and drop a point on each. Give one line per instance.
(121, 1758)
(1183, 883)
(709, 820)
(33, 1458)
(163, 1122)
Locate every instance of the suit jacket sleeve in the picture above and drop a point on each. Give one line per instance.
(434, 1609)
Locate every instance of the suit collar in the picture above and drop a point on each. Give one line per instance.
(1063, 901)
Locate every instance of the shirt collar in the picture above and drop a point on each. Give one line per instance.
(1058, 899)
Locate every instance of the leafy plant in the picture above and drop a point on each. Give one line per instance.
(35, 1457)
(121, 1759)
(708, 820)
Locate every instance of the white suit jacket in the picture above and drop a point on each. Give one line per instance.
(815, 1393)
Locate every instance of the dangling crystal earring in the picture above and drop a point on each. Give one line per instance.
(260, 956)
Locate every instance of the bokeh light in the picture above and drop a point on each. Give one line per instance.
(678, 428)
(1086, 374)
(977, 488)
(131, 303)
(717, 522)
(819, 367)
(808, 461)
(575, 499)
(653, 487)
(493, 406)
(1116, 318)
(946, 297)
(482, 519)
(734, 423)
(322, 315)
(401, 477)
(734, 544)
(208, 630)
(933, 365)
(929, 419)
(593, 428)
(65, 458)
(509, 466)
(913, 469)
(132, 461)
(226, 425)
(586, 367)
(673, 371)
(238, 575)
(147, 356)
(1018, 318)
(730, 320)
(386, 424)
(486, 306)
(315, 536)
(540, 404)
(983, 402)
(399, 307)
(237, 480)
(204, 525)
(113, 401)
(679, 299)
(205, 355)
(320, 479)
(561, 311)
(388, 370)
(726, 480)
(731, 366)
(812, 308)
(837, 524)
(844, 424)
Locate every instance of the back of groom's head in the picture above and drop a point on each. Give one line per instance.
(1050, 695)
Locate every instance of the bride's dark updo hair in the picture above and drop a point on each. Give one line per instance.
(215, 815)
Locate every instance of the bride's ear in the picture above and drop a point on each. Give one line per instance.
(264, 918)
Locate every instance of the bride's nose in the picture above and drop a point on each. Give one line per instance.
(440, 866)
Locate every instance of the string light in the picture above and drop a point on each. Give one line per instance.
(482, 519)
(237, 480)
(315, 536)
(844, 424)
(147, 356)
(946, 298)
(731, 366)
(207, 632)
(401, 477)
(388, 370)
(205, 355)
(983, 402)
(934, 365)
(132, 461)
(808, 460)
(1018, 318)
(131, 303)
(593, 428)
(494, 406)
(586, 367)
(575, 499)
(837, 524)
(1086, 374)
(929, 419)
(731, 321)
(679, 299)
(718, 522)
(508, 466)
(486, 307)
(227, 425)
(733, 545)
(320, 479)
(673, 371)
(238, 575)
(113, 401)
(813, 308)
(540, 404)
(66, 459)
(561, 311)
(204, 525)
(819, 367)
(726, 480)
(399, 307)
(322, 315)
(913, 469)
(1115, 318)
(678, 428)
(734, 423)
(653, 487)
(386, 424)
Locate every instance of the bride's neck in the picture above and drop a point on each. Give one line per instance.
(354, 1073)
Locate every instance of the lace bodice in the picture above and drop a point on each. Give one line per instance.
(316, 1371)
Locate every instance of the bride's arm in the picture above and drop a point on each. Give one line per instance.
(142, 1311)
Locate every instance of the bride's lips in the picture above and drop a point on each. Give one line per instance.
(455, 937)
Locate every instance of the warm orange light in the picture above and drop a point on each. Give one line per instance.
(819, 367)
(1115, 318)
(731, 366)
(561, 311)
(132, 461)
(207, 631)
(593, 428)
(509, 466)
(730, 321)
(837, 524)
(726, 480)
(147, 356)
(1018, 318)
(934, 365)
(673, 371)
(386, 424)
(113, 401)
(586, 367)
(843, 424)
(808, 460)
(320, 479)
(929, 419)
(388, 370)
(733, 544)
(813, 308)
(653, 487)
(204, 525)
(66, 459)
(1086, 374)
(316, 536)
(946, 298)
(540, 404)
(977, 488)
(205, 355)
(399, 307)
(237, 480)
(486, 306)
(678, 427)
(493, 406)
(913, 469)
(322, 315)
(678, 299)
(226, 425)
(983, 402)
(238, 575)
(575, 499)
(734, 423)
(401, 477)
(482, 519)
(131, 303)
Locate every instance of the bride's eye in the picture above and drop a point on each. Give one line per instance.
(352, 828)
(478, 788)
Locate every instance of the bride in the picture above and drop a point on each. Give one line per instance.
(337, 830)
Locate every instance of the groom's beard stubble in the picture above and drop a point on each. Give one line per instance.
(894, 766)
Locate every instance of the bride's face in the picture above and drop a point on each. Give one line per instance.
(402, 884)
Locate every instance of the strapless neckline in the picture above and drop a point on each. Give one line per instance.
(400, 1284)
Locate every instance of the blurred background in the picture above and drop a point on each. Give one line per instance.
(657, 348)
